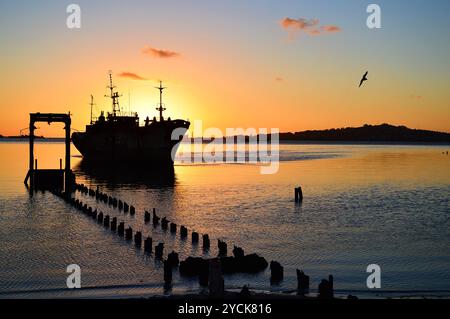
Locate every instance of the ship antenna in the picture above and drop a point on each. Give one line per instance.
(92, 105)
(113, 95)
(160, 108)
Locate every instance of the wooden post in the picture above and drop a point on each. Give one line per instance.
(68, 172)
(31, 140)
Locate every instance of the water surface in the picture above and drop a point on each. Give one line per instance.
(363, 204)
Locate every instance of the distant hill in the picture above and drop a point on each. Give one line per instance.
(369, 133)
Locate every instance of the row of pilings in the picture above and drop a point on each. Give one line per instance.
(208, 271)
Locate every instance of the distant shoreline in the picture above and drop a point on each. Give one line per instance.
(366, 134)
(283, 142)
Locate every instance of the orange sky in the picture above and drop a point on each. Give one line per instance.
(250, 73)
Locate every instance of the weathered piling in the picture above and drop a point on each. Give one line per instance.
(173, 228)
(121, 229)
(114, 202)
(87, 210)
(129, 233)
(159, 250)
(106, 221)
(132, 210)
(183, 232)
(114, 224)
(194, 237)
(167, 272)
(298, 194)
(302, 282)
(155, 218)
(276, 272)
(148, 242)
(94, 214)
(222, 247)
(206, 242)
(164, 223)
(138, 239)
(173, 260)
(120, 205)
(110, 200)
(100, 218)
(326, 288)
(146, 217)
(125, 207)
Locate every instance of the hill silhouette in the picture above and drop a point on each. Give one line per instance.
(369, 133)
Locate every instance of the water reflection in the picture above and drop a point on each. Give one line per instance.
(152, 176)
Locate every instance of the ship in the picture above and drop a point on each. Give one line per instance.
(119, 137)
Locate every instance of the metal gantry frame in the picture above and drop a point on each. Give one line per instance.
(50, 118)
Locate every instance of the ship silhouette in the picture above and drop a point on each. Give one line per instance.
(118, 137)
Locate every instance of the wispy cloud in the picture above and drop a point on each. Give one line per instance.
(279, 79)
(310, 27)
(416, 97)
(330, 28)
(159, 53)
(132, 76)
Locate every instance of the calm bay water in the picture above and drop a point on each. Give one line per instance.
(363, 204)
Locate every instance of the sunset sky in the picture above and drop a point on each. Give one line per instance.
(292, 65)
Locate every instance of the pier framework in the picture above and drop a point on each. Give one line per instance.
(49, 178)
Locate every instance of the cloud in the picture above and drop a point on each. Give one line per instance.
(132, 76)
(298, 24)
(416, 97)
(310, 27)
(330, 28)
(159, 53)
(279, 79)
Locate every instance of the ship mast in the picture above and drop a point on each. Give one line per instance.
(92, 105)
(160, 108)
(113, 95)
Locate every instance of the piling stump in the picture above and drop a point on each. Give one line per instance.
(129, 233)
(148, 242)
(194, 237)
(206, 242)
(138, 239)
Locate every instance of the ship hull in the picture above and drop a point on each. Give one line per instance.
(152, 144)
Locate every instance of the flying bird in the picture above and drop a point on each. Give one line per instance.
(364, 78)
